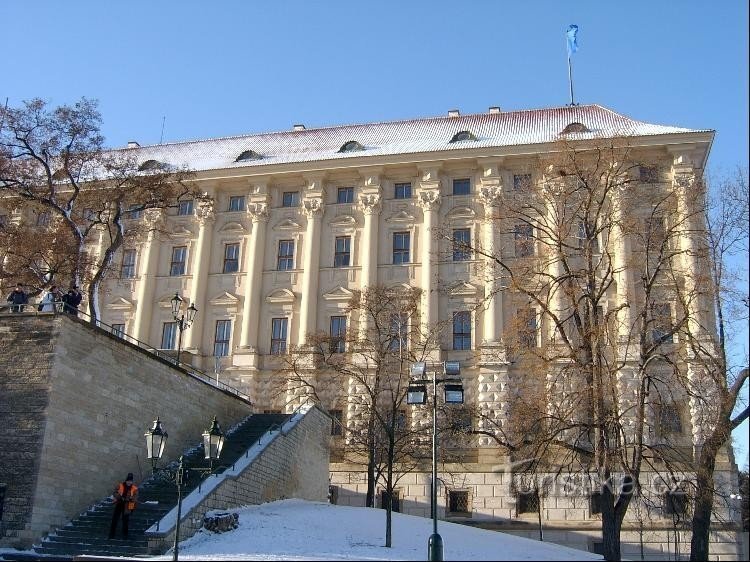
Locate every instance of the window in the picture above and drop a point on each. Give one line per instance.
(338, 333)
(402, 191)
(521, 181)
(595, 503)
(221, 338)
(43, 218)
(669, 422)
(290, 199)
(395, 501)
(337, 423)
(648, 174)
(278, 335)
(527, 328)
(185, 207)
(401, 243)
(345, 195)
(118, 330)
(398, 331)
(351, 146)
(285, 261)
(134, 212)
(127, 268)
(458, 502)
(400, 424)
(524, 240)
(583, 235)
(527, 502)
(168, 335)
(462, 330)
(461, 241)
(675, 502)
(661, 323)
(463, 136)
(462, 186)
(237, 203)
(342, 253)
(3, 220)
(177, 266)
(231, 258)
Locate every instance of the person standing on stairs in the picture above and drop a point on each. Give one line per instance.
(125, 498)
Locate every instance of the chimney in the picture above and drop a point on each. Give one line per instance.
(454, 113)
(494, 109)
(133, 144)
(299, 127)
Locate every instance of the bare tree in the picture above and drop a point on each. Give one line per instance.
(53, 164)
(368, 366)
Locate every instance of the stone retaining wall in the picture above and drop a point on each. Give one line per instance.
(75, 402)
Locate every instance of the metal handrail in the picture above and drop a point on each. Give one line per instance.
(31, 310)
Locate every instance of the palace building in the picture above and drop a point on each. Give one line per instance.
(302, 218)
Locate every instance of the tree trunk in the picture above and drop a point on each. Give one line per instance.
(370, 499)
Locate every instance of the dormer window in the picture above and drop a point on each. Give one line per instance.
(248, 155)
(351, 146)
(150, 165)
(575, 127)
(463, 136)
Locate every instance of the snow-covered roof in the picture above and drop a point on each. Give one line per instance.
(526, 127)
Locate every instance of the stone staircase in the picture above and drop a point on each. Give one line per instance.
(87, 534)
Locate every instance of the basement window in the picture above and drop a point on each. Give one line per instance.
(527, 502)
(459, 503)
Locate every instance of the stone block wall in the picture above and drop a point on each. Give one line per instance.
(75, 402)
(293, 464)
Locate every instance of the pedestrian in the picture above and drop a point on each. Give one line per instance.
(17, 298)
(125, 498)
(68, 299)
(75, 300)
(47, 304)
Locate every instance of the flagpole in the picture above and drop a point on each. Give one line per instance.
(570, 80)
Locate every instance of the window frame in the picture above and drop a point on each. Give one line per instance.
(528, 328)
(226, 267)
(172, 328)
(523, 241)
(460, 182)
(43, 219)
(659, 330)
(533, 500)
(185, 208)
(221, 346)
(337, 334)
(128, 270)
(285, 261)
(174, 263)
(337, 422)
(342, 257)
(399, 253)
(279, 344)
(118, 330)
(449, 503)
(521, 181)
(348, 196)
(242, 206)
(402, 190)
(290, 199)
(459, 253)
(462, 338)
(398, 325)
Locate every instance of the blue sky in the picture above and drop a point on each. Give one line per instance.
(227, 68)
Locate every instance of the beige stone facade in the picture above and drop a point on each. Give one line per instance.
(302, 218)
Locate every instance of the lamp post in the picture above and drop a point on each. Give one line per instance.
(184, 319)
(417, 394)
(156, 439)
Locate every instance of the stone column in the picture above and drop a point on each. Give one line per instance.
(370, 205)
(428, 198)
(312, 206)
(490, 196)
(201, 264)
(254, 259)
(149, 264)
(622, 266)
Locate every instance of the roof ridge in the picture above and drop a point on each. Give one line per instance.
(369, 123)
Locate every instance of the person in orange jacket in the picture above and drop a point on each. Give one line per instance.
(125, 498)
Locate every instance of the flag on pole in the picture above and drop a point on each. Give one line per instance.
(572, 34)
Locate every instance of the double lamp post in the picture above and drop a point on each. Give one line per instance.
(184, 319)
(416, 394)
(156, 440)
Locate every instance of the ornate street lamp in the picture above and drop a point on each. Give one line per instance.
(156, 440)
(416, 393)
(184, 319)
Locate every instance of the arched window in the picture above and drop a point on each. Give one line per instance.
(248, 155)
(463, 136)
(150, 165)
(351, 146)
(575, 127)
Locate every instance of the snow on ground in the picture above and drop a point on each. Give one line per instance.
(302, 530)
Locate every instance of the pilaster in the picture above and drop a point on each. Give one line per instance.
(312, 207)
(153, 219)
(428, 198)
(206, 216)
